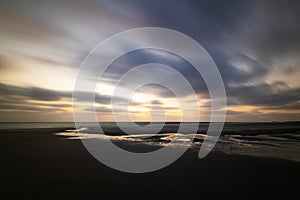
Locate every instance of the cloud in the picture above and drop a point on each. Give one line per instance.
(15, 94)
(263, 94)
(156, 102)
(32, 107)
(45, 95)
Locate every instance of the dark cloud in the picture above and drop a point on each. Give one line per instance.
(294, 106)
(138, 57)
(289, 70)
(156, 102)
(279, 31)
(263, 95)
(32, 108)
(15, 94)
(45, 95)
(105, 110)
(232, 112)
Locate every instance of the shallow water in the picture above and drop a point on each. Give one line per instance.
(270, 140)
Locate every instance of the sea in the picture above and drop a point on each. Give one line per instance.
(279, 140)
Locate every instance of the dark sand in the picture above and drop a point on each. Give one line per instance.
(37, 164)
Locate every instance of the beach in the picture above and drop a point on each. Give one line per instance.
(149, 99)
(36, 163)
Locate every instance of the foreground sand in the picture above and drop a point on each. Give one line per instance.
(36, 163)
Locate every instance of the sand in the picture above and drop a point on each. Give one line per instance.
(37, 164)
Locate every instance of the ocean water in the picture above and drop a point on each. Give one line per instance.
(269, 140)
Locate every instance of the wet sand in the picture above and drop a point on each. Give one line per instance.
(37, 164)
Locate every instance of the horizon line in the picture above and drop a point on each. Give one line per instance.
(152, 122)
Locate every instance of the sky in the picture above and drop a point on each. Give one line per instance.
(255, 45)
